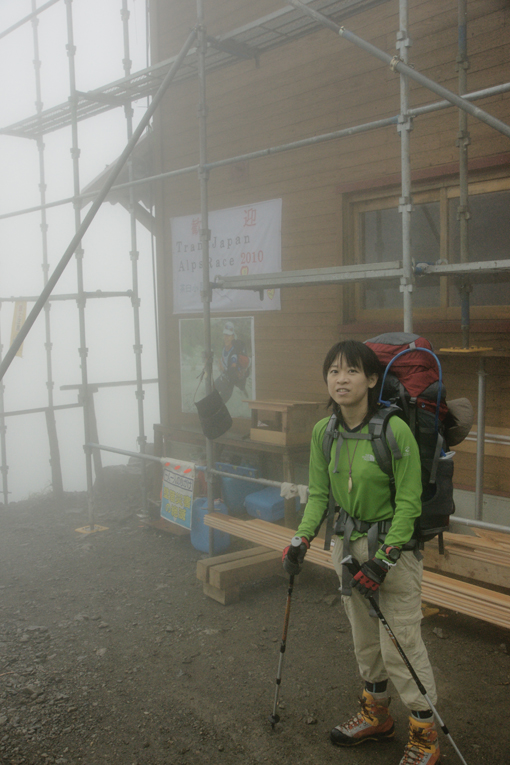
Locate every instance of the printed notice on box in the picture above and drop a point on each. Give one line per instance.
(243, 241)
(177, 492)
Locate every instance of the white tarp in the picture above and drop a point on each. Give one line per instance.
(244, 240)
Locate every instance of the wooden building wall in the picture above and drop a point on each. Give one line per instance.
(314, 85)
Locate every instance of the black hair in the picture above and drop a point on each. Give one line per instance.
(360, 356)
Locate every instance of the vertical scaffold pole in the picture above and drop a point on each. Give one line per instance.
(405, 125)
(134, 254)
(83, 351)
(463, 141)
(56, 470)
(3, 443)
(205, 235)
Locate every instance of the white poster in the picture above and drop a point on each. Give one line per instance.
(244, 240)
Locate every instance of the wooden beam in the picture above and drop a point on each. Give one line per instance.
(473, 600)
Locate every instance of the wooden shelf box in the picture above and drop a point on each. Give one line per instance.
(284, 423)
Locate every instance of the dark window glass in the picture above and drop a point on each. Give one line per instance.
(489, 239)
(381, 232)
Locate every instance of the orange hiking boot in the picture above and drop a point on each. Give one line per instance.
(372, 723)
(422, 747)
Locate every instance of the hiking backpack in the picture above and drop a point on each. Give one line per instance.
(411, 389)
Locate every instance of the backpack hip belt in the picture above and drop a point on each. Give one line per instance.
(375, 532)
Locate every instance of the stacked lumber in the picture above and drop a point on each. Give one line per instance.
(470, 599)
(268, 534)
(466, 598)
(484, 557)
(223, 575)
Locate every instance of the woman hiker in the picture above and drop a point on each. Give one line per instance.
(390, 569)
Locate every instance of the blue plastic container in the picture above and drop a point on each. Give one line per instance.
(233, 490)
(200, 532)
(267, 504)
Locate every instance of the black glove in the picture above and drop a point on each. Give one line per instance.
(370, 576)
(294, 555)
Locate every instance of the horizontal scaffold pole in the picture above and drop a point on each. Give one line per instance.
(72, 296)
(359, 273)
(311, 277)
(398, 66)
(98, 201)
(261, 153)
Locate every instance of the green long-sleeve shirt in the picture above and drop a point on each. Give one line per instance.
(369, 499)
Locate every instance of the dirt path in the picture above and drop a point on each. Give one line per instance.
(110, 653)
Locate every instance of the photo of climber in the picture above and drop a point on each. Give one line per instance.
(233, 371)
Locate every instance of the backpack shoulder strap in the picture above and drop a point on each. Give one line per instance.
(329, 437)
(384, 443)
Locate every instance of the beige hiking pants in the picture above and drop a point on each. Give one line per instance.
(400, 602)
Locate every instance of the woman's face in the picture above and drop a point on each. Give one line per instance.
(348, 386)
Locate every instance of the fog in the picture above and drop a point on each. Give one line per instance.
(107, 266)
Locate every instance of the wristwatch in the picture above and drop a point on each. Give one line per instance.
(393, 553)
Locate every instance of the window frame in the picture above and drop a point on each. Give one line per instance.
(441, 191)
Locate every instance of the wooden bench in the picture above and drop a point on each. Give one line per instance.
(471, 599)
(223, 575)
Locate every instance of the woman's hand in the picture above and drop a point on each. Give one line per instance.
(294, 555)
(370, 576)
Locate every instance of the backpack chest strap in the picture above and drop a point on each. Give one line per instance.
(345, 436)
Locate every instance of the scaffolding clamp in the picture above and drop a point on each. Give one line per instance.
(405, 204)
(461, 62)
(204, 172)
(463, 212)
(395, 61)
(403, 40)
(463, 138)
(406, 284)
(404, 122)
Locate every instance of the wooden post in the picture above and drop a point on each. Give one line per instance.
(56, 468)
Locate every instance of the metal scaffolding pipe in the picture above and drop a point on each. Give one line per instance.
(399, 66)
(480, 439)
(134, 255)
(480, 524)
(261, 153)
(73, 296)
(114, 384)
(98, 201)
(83, 350)
(164, 461)
(56, 470)
(3, 442)
(205, 236)
(39, 409)
(463, 141)
(405, 207)
(30, 16)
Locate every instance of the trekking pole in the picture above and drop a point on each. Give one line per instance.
(353, 567)
(274, 718)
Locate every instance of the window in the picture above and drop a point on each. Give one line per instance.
(376, 237)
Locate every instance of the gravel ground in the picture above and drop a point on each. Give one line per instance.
(110, 653)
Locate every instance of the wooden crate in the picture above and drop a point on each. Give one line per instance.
(283, 423)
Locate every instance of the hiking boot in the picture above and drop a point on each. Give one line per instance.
(422, 747)
(372, 723)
